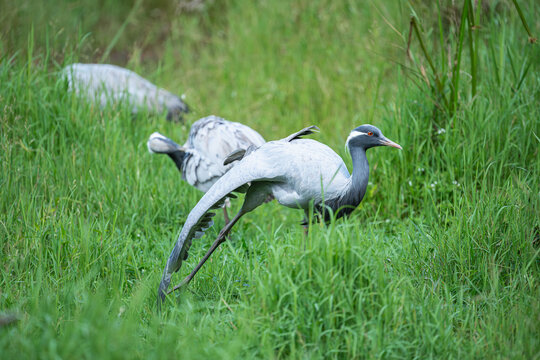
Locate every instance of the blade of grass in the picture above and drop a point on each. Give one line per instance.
(494, 61)
(441, 37)
(532, 39)
(120, 31)
(471, 27)
(454, 93)
(524, 71)
(415, 27)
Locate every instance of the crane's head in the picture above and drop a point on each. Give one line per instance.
(368, 136)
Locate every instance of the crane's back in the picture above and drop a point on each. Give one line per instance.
(215, 138)
(301, 170)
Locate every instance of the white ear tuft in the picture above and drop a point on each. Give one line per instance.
(353, 134)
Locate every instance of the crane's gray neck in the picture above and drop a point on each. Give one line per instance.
(353, 192)
(356, 189)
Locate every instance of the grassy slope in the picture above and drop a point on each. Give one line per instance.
(423, 268)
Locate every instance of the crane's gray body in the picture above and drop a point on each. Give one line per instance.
(211, 139)
(103, 84)
(295, 172)
(306, 161)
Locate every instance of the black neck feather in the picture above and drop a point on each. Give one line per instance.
(179, 157)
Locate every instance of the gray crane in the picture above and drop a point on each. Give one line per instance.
(201, 159)
(294, 171)
(104, 83)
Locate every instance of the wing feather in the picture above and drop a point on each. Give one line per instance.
(235, 180)
(215, 138)
(305, 131)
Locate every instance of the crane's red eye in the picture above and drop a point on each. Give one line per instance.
(370, 133)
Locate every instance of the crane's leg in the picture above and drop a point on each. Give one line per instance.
(305, 225)
(226, 215)
(255, 196)
(220, 239)
(306, 230)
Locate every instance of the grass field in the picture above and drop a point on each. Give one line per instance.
(441, 259)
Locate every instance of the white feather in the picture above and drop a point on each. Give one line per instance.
(353, 134)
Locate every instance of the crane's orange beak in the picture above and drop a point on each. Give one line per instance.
(387, 142)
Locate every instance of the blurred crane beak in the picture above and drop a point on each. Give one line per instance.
(387, 142)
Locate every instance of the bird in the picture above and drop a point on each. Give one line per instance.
(211, 141)
(105, 83)
(296, 172)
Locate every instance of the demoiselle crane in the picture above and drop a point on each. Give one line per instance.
(103, 83)
(210, 141)
(294, 171)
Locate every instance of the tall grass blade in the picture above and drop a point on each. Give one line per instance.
(472, 50)
(121, 29)
(532, 39)
(456, 71)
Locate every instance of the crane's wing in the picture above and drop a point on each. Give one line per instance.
(202, 172)
(238, 179)
(215, 138)
(239, 154)
(305, 131)
(235, 155)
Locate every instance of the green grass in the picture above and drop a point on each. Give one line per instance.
(439, 261)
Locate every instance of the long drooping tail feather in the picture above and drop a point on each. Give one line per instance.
(238, 179)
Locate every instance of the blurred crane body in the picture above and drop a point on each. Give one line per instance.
(102, 84)
(211, 140)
